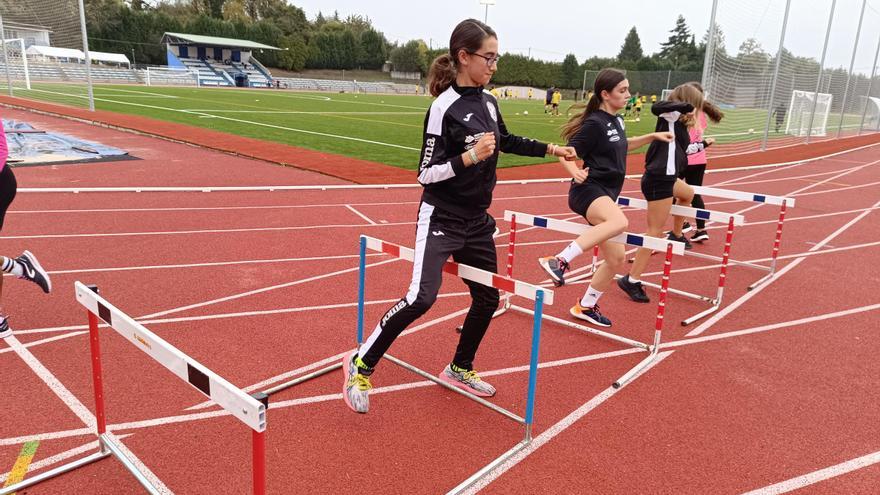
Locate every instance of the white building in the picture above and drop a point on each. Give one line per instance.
(32, 34)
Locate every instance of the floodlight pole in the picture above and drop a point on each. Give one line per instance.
(870, 85)
(821, 68)
(852, 64)
(487, 3)
(710, 47)
(775, 76)
(85, 35)
(5, 57)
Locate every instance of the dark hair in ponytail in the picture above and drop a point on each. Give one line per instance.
(606, 80)
(468, 35)
(710, 109)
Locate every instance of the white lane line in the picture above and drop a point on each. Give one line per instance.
(261, 290)
(78, 408)
(808, 479)
(353, 210)
(61, 457)
(549, 434)
(757, 290)
(206, 231)
(324, 362)
(797, 324)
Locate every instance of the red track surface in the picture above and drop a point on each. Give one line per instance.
(728, 415)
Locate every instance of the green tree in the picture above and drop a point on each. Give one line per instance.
(680, 49)
(408, 57)
(632, 47)
(373, 51)
(569, 75)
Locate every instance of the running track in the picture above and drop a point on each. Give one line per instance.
(777, 391)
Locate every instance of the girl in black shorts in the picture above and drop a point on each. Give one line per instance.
(25, 266)
(599, 138)
(661, 183)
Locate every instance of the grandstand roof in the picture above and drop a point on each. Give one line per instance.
(56, 52)
(178, 38)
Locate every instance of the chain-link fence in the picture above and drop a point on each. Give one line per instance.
(793, 71)
(43, 41)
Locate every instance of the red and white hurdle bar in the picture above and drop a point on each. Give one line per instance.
(781, 201)
(250, 410)
(669, 247)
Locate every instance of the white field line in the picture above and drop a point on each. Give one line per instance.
(79, 409)
(818, 476)
(550, 433)
(356, 212)
(61, 457)
(205, 231)
(216, 316)
(797, 325)
(757, 290)
(262, 290)
(241, 121)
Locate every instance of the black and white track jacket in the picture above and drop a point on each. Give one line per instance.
(669, 159)
(454, 123)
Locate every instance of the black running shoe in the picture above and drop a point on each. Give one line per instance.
(684, 240)
(686, 228)
(34, 272)
(633, 289)
(556, 268)
(5, 331)
(700, 236)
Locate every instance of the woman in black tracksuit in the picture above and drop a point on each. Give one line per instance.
(457, 171)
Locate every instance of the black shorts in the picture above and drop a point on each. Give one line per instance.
(657, 187)
(8, 186)
(581, 196)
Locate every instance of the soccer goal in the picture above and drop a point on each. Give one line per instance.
(14, 69)
(665, 95)
(168, 76)
(800, 112)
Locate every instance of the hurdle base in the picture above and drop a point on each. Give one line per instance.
(464, 485)
(296, 381)
(635, 370)
(479, 400)
(714, 303)
(761, 281)
(585, 329)
(52, 473)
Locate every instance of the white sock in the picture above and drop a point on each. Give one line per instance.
(570, 252)
(591, 297)
(9, 265)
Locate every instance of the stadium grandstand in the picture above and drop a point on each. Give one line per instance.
(218, 61)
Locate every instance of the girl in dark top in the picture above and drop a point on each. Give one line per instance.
(661, 183)
(599, 138)
(457, 170)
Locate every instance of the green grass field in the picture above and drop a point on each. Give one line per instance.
(381, 128)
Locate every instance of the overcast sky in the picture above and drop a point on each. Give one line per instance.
(592, 28)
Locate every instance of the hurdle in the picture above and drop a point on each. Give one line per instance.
(731, 219)
(669, 247)
(540, 295)
(760, 199)
(249, 409)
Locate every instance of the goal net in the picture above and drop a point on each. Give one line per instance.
(800, 113)
(168, 76)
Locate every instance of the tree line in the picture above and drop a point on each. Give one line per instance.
(134, 27)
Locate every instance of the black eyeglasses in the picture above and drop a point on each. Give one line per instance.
(490, 61)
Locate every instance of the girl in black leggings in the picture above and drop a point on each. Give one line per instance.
(25, 266)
